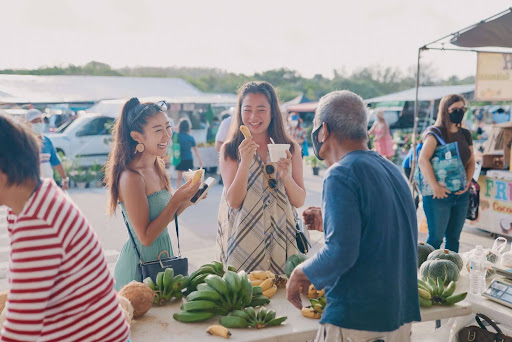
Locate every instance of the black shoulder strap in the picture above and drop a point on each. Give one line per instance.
(177, 233)
(131, 238)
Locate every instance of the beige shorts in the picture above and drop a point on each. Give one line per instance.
(332, 333)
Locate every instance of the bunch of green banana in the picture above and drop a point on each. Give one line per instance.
(318, 304)
(219, 296)
(250, 318)
(199, 276)
(167, 286)
(433, 292)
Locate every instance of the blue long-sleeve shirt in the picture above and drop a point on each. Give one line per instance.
(368, 265)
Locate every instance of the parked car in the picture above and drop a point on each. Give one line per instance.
(87, 138)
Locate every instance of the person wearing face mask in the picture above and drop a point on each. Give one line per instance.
(49, 158)
(137, 181)
(445, 211)
(257, 216)
(368, 264)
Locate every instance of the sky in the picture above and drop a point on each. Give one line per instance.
(312, 37)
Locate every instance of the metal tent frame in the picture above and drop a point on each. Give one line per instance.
(439, 44)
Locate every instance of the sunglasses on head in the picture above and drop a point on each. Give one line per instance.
(160, 106)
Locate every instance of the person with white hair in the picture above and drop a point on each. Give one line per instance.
(49, 159)
(368, 264)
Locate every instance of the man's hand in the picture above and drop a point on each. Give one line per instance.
(297, 280)
(313, 219)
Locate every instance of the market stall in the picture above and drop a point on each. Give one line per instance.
(159, 324)
(495, 209)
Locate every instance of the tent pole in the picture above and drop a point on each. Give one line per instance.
(415, 129)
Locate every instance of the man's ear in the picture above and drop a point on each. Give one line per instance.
(324, 134)
(136, 136)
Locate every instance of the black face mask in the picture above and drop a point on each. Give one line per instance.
(457, 115)
(316, 144)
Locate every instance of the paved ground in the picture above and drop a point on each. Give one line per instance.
(198, 231)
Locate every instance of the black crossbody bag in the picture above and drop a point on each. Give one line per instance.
(152, 268)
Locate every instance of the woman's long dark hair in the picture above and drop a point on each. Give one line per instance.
(133, 118)
(443, 117)
(276, 128)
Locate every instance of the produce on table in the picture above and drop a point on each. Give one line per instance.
(250, 318)
(292, 262)
(313, 293)
(219, 296)
(432, 292)
(140, 296)
(439, 268)
(447, 255)
(199, 276)
(267, 280)
(309, 312)
(218, 330)
(126, 307)
(316, 308)
(424, 249)
(167, 286)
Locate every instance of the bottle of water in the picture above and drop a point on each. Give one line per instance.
(478, 269)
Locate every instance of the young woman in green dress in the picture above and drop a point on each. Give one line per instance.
(136, 178)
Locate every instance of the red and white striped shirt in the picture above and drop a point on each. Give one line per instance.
(60, 287)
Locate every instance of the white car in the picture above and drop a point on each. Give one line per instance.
(86, 140)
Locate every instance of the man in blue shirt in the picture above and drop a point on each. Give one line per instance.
(368, 264)
(48, 156)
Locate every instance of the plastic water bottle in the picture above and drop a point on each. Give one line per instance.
(478, 269)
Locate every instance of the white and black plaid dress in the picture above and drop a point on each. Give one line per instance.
(261, 233)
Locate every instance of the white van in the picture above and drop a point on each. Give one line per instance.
(87, 138)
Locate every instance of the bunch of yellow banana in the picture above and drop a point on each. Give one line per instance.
(219, 296)
(316, 308)
(167, 286)
(268, 281)
(313, 293)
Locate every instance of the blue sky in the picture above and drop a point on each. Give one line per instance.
(241, 36)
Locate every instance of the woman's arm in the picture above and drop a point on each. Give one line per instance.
(290, 172)
(196, 151)
(133, 192)
(426, 167)
(235, 176)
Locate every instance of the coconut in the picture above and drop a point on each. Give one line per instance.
(140, 296)
(126, 307)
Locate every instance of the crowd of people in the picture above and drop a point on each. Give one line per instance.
(367, 214)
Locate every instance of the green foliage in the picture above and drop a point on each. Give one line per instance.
(367, 82)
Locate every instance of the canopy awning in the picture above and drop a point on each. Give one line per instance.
(496, 32)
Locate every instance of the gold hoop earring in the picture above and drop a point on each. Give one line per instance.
(140, 147)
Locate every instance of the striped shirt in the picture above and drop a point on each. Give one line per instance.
(60, 287)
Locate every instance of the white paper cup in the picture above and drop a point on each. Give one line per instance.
(277, 151)
(187, 175)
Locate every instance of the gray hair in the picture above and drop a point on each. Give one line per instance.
(345, 114)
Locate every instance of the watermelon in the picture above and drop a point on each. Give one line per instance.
(424, 249)
(292, 262)
(440, 268)
(448, 255)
